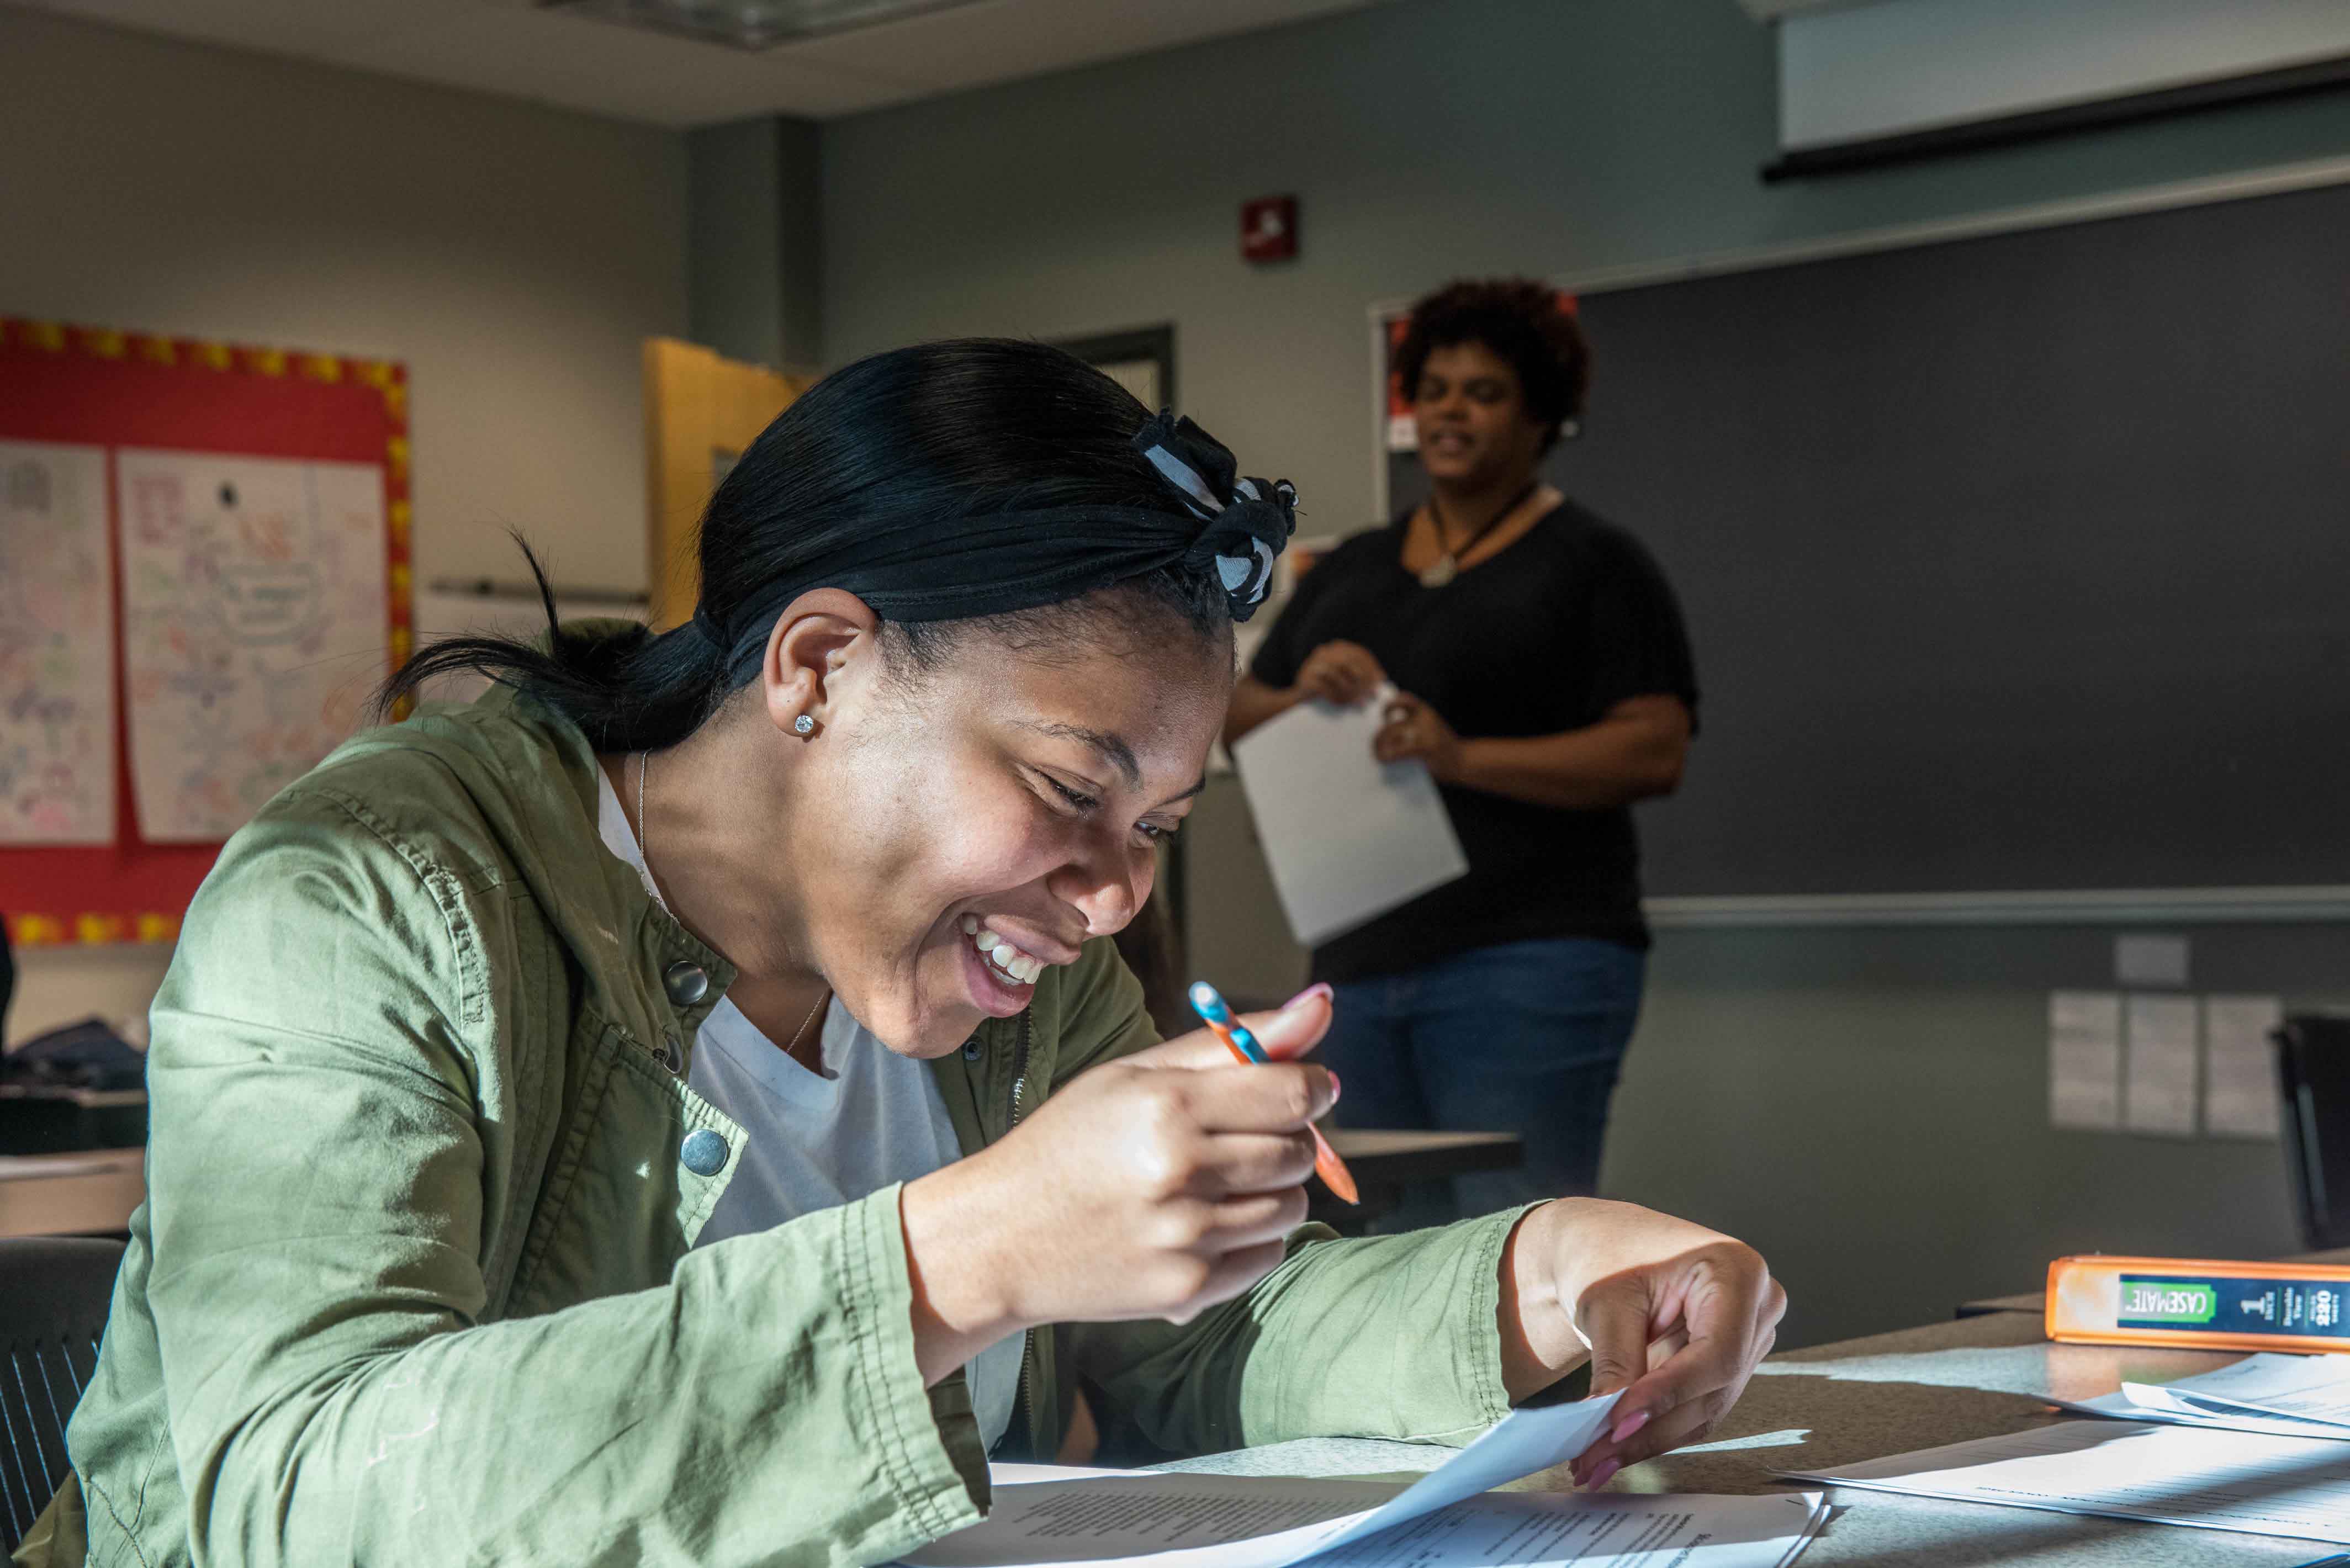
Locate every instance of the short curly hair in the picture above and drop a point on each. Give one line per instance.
(1521, 320)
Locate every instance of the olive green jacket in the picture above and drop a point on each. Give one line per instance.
(413, 1282)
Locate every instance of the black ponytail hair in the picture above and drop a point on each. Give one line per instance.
(923, 438)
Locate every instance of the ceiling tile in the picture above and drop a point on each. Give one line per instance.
(517, 50)
(1002, 40)
(320, 28)
(582, 63)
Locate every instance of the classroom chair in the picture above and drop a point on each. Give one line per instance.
(54, 1295)
(2313, 1073)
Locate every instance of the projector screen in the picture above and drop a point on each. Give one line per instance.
(1898, 66)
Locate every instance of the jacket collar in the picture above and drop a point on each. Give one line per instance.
(542, 803)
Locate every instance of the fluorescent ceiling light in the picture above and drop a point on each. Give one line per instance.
(750, 24)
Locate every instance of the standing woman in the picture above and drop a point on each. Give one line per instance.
(685, 1107)
(1543, 676)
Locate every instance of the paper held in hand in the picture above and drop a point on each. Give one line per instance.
(1114, 1519)
(1348, 837)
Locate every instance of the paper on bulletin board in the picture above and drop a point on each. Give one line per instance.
(2240, 1094)
(254, 625)
(2159, 1039)
(56, 646)
(2084, 1060)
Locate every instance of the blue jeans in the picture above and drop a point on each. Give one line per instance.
(1524, 1037)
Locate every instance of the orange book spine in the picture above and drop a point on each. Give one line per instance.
(2198, 1303)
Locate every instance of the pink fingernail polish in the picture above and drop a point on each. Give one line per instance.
(1603, 1475)
(1627, 1426)
(1319, 988)
(1334, 1088)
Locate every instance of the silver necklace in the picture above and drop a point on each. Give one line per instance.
(645, 854)
(645, 838)
(821, 998)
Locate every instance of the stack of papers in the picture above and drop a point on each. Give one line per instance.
(1446, 1519)
(2280, 1395)
(2163, 1474)
(2230, 1450)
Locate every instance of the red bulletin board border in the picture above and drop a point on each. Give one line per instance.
(100, 386)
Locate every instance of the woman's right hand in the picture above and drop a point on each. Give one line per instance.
(1154, 1185)
(1340, 672)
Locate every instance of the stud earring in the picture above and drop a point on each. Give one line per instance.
(804, 725)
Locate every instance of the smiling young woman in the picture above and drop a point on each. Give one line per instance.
(686, 1106)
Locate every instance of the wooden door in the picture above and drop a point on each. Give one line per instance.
(700, 410)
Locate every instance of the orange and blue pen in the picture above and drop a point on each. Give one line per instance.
(1217, 1013)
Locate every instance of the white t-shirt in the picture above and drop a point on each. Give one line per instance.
(813, 1143)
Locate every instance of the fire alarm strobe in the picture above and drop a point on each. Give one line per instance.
(1269, 228)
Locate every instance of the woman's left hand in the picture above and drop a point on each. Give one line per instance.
(1671, 1315)
(1413, 728)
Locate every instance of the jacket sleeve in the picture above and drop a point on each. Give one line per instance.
(317, 1173)
(1382, 1336)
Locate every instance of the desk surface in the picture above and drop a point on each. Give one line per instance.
(89, 1193)
(1808, 1409)
(1367, 1143)
(1404, 1155)
(1385, 1161)
(1891, 1393)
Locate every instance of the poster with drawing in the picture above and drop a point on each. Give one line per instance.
(56, 646)
(255, 623)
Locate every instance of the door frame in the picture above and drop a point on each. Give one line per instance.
(1156, 344)
(1153, 343)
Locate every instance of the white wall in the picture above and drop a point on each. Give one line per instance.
(513, 256)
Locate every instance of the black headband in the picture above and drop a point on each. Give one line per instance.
(993, 563)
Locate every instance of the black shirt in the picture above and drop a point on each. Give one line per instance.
(1565, 623)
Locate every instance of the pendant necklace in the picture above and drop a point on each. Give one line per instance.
(800, 1033)
(1447, 565)
(644, 854)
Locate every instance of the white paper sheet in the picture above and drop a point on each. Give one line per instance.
(1348, 837)
(2121, 1408)
(2144, 959)
(2307, 1388)
(2133, 1469)
(1611, 1529)
(2161, 1033)
(56, 646)
(254, 627)
(2275, 1393)
(1096, 1519)
(1150, 1520)
(2084, 1060)
(2241, 1097)
(1165, 1518)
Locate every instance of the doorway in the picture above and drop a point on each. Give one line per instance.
(702, 409)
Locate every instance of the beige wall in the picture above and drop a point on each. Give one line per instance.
(512, 256)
